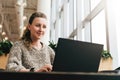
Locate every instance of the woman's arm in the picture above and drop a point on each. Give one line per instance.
(52, 54)
(15, 59)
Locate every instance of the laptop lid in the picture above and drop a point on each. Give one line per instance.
(77, 56)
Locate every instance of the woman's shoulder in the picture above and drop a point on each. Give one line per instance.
(45, 46)
(17, 45)
(19, 42)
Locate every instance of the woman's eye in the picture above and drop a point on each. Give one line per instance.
(44, 26)
(38, 25)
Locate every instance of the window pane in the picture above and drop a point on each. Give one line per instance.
(98, 29)
(74, 14)
(83, 34)
(116, 13)
(94, 3)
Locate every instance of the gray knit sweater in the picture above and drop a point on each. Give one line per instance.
(22, 58)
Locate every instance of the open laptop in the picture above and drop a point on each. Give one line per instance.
(77, 56)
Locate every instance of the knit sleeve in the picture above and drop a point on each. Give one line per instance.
(14, 60)
(52, 54)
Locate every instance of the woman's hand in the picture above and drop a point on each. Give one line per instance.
(24, 70)
(45, 68)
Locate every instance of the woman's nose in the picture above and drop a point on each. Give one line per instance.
(41, 27)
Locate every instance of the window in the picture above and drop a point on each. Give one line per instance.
(98, 29)
(94, 3)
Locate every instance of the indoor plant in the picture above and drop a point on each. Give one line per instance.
(106, 61)
(106, 54)
(52, 45)
(5, 46)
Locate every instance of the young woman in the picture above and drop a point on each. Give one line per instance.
(29, 53)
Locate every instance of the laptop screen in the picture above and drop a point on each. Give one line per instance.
(77, 56)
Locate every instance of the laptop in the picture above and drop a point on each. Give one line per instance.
(77, 56)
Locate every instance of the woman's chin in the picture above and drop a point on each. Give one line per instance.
(40, 37)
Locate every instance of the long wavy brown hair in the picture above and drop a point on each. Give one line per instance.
(26, 35)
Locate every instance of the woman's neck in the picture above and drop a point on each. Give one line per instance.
(36, 43)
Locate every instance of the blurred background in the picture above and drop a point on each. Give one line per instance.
(96, 21)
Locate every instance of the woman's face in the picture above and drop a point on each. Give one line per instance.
(38, 28)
